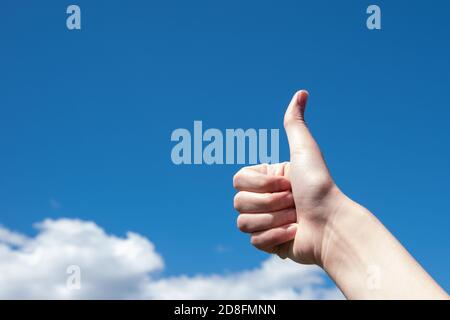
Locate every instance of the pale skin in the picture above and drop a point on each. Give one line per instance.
(295, 210)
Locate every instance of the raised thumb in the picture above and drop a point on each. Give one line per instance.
(299, 137)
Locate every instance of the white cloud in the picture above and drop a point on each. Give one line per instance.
(130, 268)
(11, 238)
(274, 279)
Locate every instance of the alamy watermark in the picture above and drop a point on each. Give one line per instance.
(234, 146)
(73, 281)
(73, 21)
(374, 20)
(373, 280)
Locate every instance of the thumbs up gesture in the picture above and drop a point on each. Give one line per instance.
(295, 210)
(286, 207)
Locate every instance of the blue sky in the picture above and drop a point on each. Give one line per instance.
(86, 116)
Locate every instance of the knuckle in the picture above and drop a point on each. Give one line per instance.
(262, 182)
(272, 219)
(321, 181)
(273, 201)
(292, 119)
(268, 200)
(270, 183)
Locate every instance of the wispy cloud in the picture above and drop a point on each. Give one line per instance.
(130, 267)
(10, 238)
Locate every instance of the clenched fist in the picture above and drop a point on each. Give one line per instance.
(286, 206)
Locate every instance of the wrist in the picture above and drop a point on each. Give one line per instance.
(344, 233)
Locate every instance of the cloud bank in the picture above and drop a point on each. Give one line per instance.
(130, 268)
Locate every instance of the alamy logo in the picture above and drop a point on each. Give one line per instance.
(373, 277)
(73, 21)
(236, 146)
(73, 281)
(374, 20)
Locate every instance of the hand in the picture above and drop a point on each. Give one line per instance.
(295, 210)
(287, 206)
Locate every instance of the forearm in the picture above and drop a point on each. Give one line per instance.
(367, 262)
